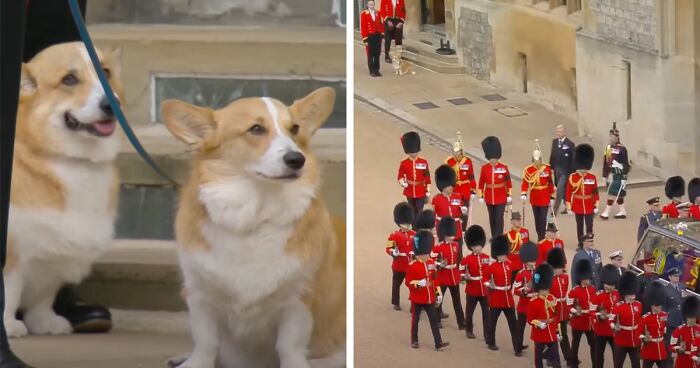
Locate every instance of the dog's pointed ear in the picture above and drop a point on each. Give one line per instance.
(112, 57)
(189, 123)
(313, 110)
(27, 84)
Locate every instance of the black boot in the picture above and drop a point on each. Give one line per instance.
(85, 318)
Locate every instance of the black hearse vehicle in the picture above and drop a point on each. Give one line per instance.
(672, 243)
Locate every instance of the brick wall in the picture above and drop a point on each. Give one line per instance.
(631, 23)
(476, 41)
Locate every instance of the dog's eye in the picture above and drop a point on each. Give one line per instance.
(108, 72)
(70, 79)
(294, 129)
(257, 129)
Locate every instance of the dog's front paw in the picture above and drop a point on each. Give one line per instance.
(48, 324)
(15, 328)
(176, 361)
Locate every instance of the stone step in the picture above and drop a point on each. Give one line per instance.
(423, 48)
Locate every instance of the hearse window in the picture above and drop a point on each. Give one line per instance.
(671, 253)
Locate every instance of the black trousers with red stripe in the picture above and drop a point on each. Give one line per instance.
(392, 30)
(433, 318)
(396, 281)
(417, 204)
(651, 363)
(548, 351)
(576, 342)
(483, 302)
(456, 303)
(522, 322)
(494, 313)
(620, 353)
(600, 342)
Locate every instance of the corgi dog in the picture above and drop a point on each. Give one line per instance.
(401, 66)
(64, 184)
(264, 275)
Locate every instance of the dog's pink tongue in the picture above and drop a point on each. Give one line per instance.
(105, 127)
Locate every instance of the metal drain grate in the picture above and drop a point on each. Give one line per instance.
(510, 111)
(459, 101)
(493, 97)
(425, 105)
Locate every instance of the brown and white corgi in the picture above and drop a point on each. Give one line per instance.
(264, 275)
(401, 66)
(64, 184)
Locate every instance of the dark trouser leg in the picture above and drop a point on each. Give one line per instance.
(599, 355)
(496, 218)
(553, 350)
(589, 224)
(512, 326)
(561, 190)
(522, 322)
(539, 354)
(634, 357)
(460, 250)
(457, 304)
(492, 219)
(620, 353)
(564, 343)
(493, 322)
(417, 204)
(388, 35)
(540, 215)
(667, 341)
(439, 309)
(434, 319)
(396, 281)
(415, 318)
(485, 313)
(579, 227)
(375, 49)
(398, 35)
(469, 313)
(465, 220)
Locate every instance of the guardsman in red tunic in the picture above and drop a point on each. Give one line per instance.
(578, 305)
(616, 166)
(400, 247)
(522, 287)
(551, 240)
(675, 190)
(694, 198)
(464, 170)
(372, 31)
(424, 288)
(560, 288)
(653, 327)
(499, 276)
(494, 185)
(517, 236)
(626, 324)
(601, 306)
(448, 203)
(448, 266)
(582, 190)
(538, 179)
(414, 174)
(685, 337)
(542, 316)
(474, 267)
(393, 14)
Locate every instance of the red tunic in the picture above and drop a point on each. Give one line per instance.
(517, 237)
(683, 342)
(388, 10)
(466, 184)
(522, 287)
(581, 296)
(560, 287)
(628, 317)
(475, 266)
(403, 242)
(582, 193)
(670, 210)
(369, 26)
(540, 183)
(449, 274)
(417, 175)
(603, 301)
(545, 246)
(542, 309)
(654, 327)
(452, 207)
(499, 275)
(419, 270)
(694, 211)
(494, 184)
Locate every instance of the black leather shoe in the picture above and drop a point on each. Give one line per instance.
(524, 347)
(444, 315)
(441, 346)
(470, 335)
(85, 318)
(397, 307)
(9, 360)
(492, 347)
(518, 353)
(415, 345)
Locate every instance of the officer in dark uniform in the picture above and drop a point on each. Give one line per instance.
(561, 159)
(586, 251)
(674, 298)
(650, 217)
(645, 279)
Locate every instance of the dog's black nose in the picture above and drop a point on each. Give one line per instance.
(294, 160)
(106, 107)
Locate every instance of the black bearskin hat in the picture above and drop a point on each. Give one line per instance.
(403, 213)
(655, 294)
(583, 157)
(425, 220)
(411, 142)
(556, 258)
(629, 284)
(693, 189)
(492, 147)
(675, 187)
(447, 227)
(529, 252)
(499, 246)
(690, 307)
(584, 270)
(423, 242)
(475, 236)
(445, 177)
(610, 275)
(542, 277)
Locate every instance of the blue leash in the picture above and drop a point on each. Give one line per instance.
(118, 113)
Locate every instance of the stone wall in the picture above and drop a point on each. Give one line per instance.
(476, 41)
(630, 23)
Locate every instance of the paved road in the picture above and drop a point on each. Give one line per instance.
(382, 334)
